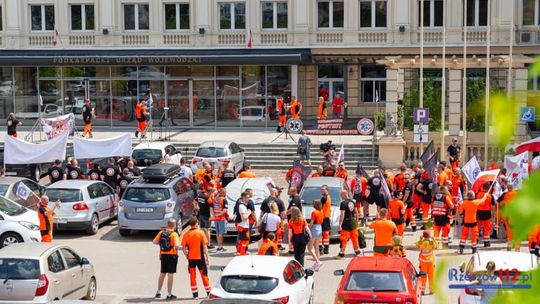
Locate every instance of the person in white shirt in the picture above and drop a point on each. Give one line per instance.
(243, 225)
(185, 171)
(271, 220)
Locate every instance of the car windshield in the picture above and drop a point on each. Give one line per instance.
(147, 195)
(151, 154)
(19, 269)
(211, 152)
(3, 189)
(10, 208)
(375, 281)
(248, 284)
(309, 194)
(64, 195)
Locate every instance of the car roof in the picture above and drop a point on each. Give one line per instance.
(376, 263)
(143, 183)
(257, 265)
(72, 184)
(522, 261)
(323, 180)
(26, 250)
(11, 179)
(215, 143)
(153, 145)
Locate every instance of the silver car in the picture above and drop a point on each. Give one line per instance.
(43, 272)
(218, 152)
(8, 189)
(312, 191)
(85, 204)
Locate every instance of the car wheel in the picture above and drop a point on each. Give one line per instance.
(92, 290)
(94, 225)
(9, 238)
(124, 232)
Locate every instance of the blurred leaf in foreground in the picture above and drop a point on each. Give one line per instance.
(504, 118)
(440, 270)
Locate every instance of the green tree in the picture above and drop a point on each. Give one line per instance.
(432, 100)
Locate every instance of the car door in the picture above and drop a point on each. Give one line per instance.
(236, 156)
(175, 156)
(295, 277)
(76, 273)
(59, 278)
(96, 202)
(110, 199)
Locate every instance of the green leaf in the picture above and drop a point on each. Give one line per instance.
(534, 69)
(504, 113)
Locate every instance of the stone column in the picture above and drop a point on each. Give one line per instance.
(14, 24)
(454, 102)
(353, 91)
(391, 91)
(204, 14)
(520, 93)
(294, 80)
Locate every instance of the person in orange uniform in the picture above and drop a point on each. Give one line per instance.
(140, 114)
(426, 245)
(46, 220)
(87, 113)
(534, 241)
(389, 176)
(484, 214)
(269, 247)
(247, 173)
(506, 199)
(442, 208)
(397, 212)
(341, 172)
(469, 210)
(348, 225)
(423, 188)
(441, 176)
(384, 233)
(168, 241)
(295, 107)
(282, 114)
(243, 226)
(318, 172)
(409, 202)
(398, 179)
(358, 189)
(326, 201)
(322, 111)
(398, 250)
(194, 246)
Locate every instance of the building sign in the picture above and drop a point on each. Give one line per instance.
(527, 114)
(421, 115)
(341, 127)
(135, 60)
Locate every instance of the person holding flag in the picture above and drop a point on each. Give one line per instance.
(408, 200)
(282, 114)
(469, 210)
(87, 112)
(484, 214)
(506, 199)
(45, 214)
(358, 189)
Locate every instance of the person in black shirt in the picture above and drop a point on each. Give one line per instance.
(122, 162)
(373, 191)
(94, 173)
(110, 173)
(123, 182)
(12, 124)
(407, 199)
(227, 176)
(134, 171)
(348, 223)
(74, 171)
(273, 198)
(204, 206)
(454, 153)
(56, 172)
(87, 112)
(294, 201)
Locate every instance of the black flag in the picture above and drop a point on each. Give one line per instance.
(428, 153)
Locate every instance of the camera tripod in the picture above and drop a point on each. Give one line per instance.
(165, 123)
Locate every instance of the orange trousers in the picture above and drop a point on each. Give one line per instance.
(429, 270)
(193, 276)
(87, 130)
(510, 236)
(445, 231)
(409, 214)
(345, 236)
(243, 240)
(486, 231)
(279, 234)
(400, 229)
(426, 209)
(454, 164)
(141, 126)
(282, 120)
(465, 235)
(47, 238)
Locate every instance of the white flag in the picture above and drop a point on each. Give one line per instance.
(460, 196)
(517, 168)
(535, 164)
(471, 170)
(341, 155)
(23, 191)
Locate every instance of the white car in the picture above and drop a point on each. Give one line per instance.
(17, 224)
(263, 277)
(523, 262)
(150, 153)
(218, 152)
(253, 113)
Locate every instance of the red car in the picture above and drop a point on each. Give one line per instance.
(379, 280)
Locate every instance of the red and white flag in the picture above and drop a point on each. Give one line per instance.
(249, 38)
(485, 177)
(56, 37)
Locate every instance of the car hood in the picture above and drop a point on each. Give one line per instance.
(29, 216)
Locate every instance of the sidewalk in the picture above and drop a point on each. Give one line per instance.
(196, 136)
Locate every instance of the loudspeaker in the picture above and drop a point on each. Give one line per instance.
(402, 28)
(202, 31)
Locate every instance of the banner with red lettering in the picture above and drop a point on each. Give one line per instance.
(56, 126)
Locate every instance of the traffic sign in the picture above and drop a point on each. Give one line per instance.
(421, 128)
(421, 115)
(527, 114)
(421, 133)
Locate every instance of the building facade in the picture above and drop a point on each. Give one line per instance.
(223, 63)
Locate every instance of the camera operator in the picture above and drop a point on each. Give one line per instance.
(329, 151)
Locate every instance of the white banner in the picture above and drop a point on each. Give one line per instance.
(20, 152)
(98, 148)
(535, 164)
(517, 168)
(54, 127)
(471, 170)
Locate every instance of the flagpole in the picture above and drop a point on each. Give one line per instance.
(488, 60)
(443, 91)
(464, 93)
(421, 101)
(511, 52)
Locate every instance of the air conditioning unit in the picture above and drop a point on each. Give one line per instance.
(527, 37)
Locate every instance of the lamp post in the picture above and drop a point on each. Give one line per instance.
(464, 93)
(443, 90)
(488, 61)
(421, 97)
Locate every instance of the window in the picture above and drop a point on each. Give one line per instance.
(372, 13)
(330, 14)
(531, 12)
(433, 13)
(19, 269)
(136, 17)
(55, 262)
(72, 259)
(477, 12)
(42, 17)
(232, 16)
(82, 17)
(373, 84)
(375, 281)
(274, 15)
(177, 16)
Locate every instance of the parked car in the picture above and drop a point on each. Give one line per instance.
(150, 153)
(49, 110)
(370, 279)
(237, 301)
(218, 152)
(253, 113)
(32, 171)
(8, 189)
(17, 224)
(43, 272)
(311, 190)
(523, 262)
(85, 204)
(149, 202)
(263, 277)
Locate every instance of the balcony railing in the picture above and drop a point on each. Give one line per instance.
(430, 37)
(373, 37)
(40, 40)
(77, 40)
(475, 36)
(274, 39)
(231, 39)
(135, 39)
(329, 38)
(176, 39)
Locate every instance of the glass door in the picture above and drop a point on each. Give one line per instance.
(178, 102)
(203, 103)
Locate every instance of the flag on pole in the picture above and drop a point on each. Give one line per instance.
(23, 191)
(385, 190)
(428, 153)
(249, 38)
(56, 37)
(483, 178)
(460, 196)
(518, 168)
(40, 100)
(431, 166)
(341, 155)
(360, 171)
(471, 170)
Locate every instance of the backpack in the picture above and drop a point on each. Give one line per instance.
(165, 241)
